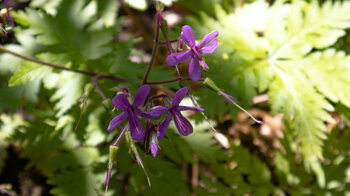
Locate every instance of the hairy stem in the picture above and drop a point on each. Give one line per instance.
(55, 66)
(154, 52)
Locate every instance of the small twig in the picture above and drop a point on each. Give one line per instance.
(154, 52)
(171, 81)
(156, 97)
(165, 42)
(94, 82)
(55, 66)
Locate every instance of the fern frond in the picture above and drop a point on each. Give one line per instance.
(322, 68)
(306, 26)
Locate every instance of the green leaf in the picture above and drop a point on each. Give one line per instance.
(306, 26)
(109, 11)
(29, 71)
(14, 96)
(269, 55)
(75, 182)
(137, 4)
(323, 67)
(69, 91)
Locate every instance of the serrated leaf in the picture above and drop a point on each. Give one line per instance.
(308, 26)
(109, 10)
(29, 71)
(323, 67)
(69, 91)
(77, 182)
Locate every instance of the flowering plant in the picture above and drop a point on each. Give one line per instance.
(76, 77)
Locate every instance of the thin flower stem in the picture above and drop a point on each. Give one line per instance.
(55, 66)
(94, 82)
(195, 102)
(170, 81)
(154, 52)
(251, 116)
(121, 136)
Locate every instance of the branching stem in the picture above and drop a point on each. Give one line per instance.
(94, 82)
(55, 66)
(154, 53)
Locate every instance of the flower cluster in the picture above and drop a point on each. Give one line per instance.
(134, 110)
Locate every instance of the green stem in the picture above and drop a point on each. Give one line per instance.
(55, 66)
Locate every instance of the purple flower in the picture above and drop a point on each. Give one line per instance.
(181, 123)
(207, 46)
(131, 112)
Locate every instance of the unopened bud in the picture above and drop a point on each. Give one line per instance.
(209, 83)
(154, 143)
(227, 97)
(113, 150)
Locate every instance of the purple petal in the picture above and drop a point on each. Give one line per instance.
(116, 121)
(227, 97)
(141, 95)
(194, 70)
(182, 108)
(210, 48)
(136, 129)
(164, 125)
(154, 149)
(120, 101)
(188, 36)
(179, 95)
(147, 115)
(182, 124)
(159, 110)
(204, 65)
(208, 38)
(177, 58)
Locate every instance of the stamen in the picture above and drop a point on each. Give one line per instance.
(195, 51)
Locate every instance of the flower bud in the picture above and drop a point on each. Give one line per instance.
(209, 83)
(227, 97)
(154, 143)
(113, 150)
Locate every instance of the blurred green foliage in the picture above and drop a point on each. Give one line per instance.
(296, 52)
